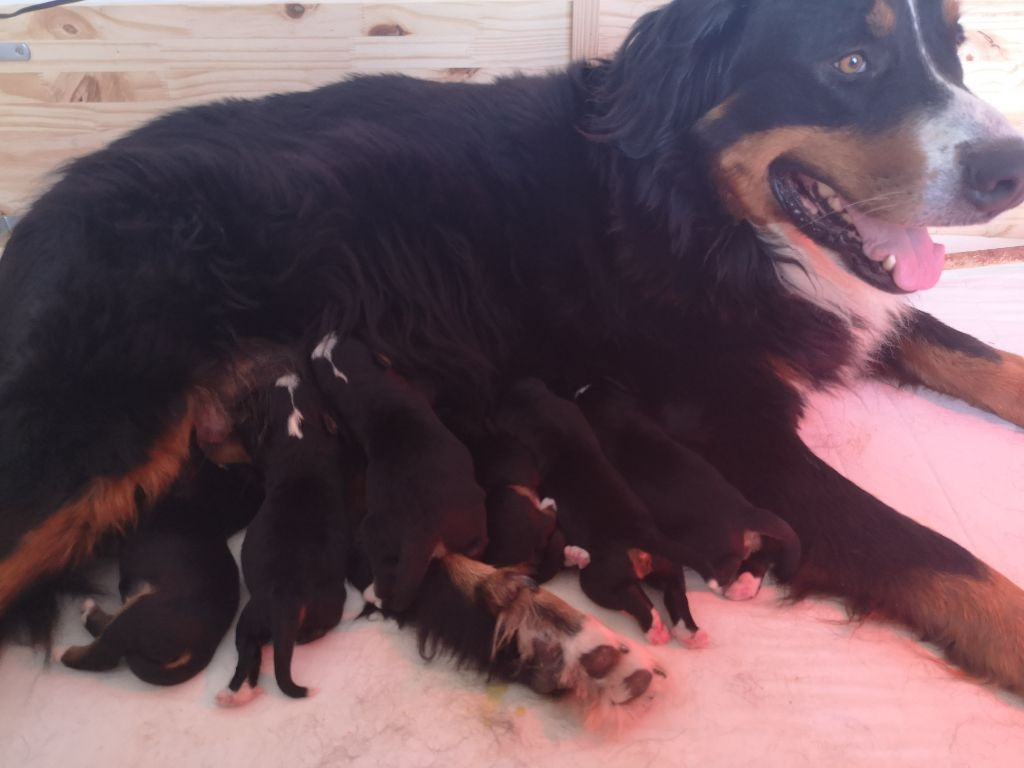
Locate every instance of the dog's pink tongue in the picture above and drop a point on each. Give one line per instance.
(919, 260)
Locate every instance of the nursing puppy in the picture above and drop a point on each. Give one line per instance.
(522, 528)
(178, 580)
(732, 543)
(296, 553)
(599, 514)
(421, 497)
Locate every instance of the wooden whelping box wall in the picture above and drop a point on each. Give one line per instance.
(99, 69)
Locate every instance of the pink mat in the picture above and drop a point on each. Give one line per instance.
(780, 686)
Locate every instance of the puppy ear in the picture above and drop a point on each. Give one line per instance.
(771, 525)
(672, 69)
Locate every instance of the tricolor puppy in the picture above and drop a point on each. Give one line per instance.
(731, 542)
(179, 581)
(421, 498)
(597, 510)
(296, 552)
(522, 528)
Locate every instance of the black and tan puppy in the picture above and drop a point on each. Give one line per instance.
(733, 543)
(522, 528)
(421, 498)
(295, 556)
(178, 580)
(607, 525)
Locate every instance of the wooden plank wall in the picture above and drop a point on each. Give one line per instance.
(98, 70)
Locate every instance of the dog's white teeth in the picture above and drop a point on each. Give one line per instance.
(834, 203)
(890, 262)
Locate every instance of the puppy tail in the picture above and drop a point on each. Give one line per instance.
(284, 627)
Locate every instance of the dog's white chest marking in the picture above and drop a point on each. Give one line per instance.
(291, 383)
(324, 351)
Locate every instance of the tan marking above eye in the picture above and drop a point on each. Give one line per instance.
(882, 19)
(852, 63)
(951, 12)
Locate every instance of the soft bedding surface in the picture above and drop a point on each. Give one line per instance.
(780, 685)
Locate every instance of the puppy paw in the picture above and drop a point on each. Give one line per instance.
(658, 634)
(548, 505)
(576, 557)
(692, 640)
(228, 698)
(746, 586)
(88, 606)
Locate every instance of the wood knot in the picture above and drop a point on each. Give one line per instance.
(388, 30)
(70, 29)
(295, 10)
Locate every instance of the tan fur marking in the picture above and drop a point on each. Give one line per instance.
(882, 19)
(642, 562)
(107, 503)
(978, 622)
(860, 167)
(997, 387)
(473, 578)
(951, 12)
(181, 661)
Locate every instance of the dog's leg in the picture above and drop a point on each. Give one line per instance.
(669, 577)
(253, 625)
(932, 354)
(879, 562)
(68, 535)
(95, 619)
(501, 621)
(609, 580)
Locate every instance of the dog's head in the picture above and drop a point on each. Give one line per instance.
(839, 129)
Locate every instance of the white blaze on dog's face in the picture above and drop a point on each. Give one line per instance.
(847, 132)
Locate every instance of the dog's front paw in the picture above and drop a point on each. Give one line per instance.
(555, 647)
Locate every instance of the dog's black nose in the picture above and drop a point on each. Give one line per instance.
(994, 173)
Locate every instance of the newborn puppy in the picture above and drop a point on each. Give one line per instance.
(732, 542)
(421, 497)
(521, 527)
(599, 514)
(295, 556)
(179, 582)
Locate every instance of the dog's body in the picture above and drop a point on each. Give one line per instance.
(297, 550)
(178, 580)
(688, 217)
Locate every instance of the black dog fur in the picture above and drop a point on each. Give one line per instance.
(297, 551)
(567, 227)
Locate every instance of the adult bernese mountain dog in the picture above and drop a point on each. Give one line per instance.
(727, 213)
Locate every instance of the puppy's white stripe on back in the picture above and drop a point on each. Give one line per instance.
(324, 351)
(291, 382)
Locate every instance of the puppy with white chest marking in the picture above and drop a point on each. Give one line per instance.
(179, 581)
(296, 553)
(522, 528)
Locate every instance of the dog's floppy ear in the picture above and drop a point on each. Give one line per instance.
(672, 69)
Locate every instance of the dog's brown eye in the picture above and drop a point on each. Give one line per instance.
(852, 63)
